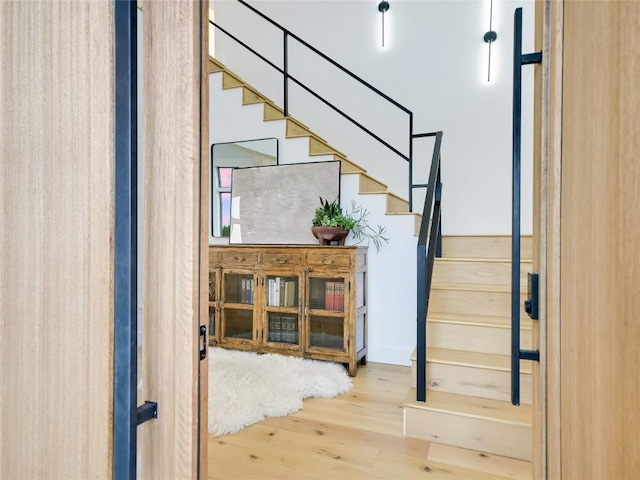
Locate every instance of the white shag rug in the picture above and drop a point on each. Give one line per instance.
(245, 387)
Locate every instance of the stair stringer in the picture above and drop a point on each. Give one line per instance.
(391, 287)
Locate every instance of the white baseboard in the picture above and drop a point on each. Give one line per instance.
(390, 355)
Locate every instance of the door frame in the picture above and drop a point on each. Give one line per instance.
(546, 234)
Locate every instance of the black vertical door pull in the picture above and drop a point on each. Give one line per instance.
(519, 59)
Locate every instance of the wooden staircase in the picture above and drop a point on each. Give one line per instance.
(468, 352)
(318, 146)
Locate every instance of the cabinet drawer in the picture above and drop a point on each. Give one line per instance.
(329, 259)
(281, 259)
(238, 259)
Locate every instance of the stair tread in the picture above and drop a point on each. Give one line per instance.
(479, 259)
(489, 361)
(476, 287)
(475, 407)
(404, 213)
(498, 246)
(376, 183)
(376, 192)
(473, 319)
(398, 197)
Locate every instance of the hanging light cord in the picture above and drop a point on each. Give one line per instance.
(489, 38)
(490, 41)
(382, 8)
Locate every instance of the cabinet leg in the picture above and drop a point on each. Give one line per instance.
(363, 360)
(353, 369)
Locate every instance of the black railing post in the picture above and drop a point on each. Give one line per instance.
(411, 162)
(421, 327)
(438, 199)
(285, 76)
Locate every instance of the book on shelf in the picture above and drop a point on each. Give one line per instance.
(275, 328)
(290, 330)
(290, 293)
(339, 296)
(334, 296)
(246, 290)
(328, 295)
(284, 322)
(283, 328)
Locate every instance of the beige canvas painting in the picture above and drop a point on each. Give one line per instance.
(275, 204)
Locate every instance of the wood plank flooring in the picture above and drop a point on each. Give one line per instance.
(357, 435)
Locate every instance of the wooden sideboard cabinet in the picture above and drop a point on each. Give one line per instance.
(308, 301)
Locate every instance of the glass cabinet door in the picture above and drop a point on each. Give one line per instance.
(327, 304)
(238, 305)
(282, 294)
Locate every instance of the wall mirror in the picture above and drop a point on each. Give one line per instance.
(225, 157)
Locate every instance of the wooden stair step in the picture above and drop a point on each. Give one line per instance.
(474, 338)
(297, 129)
(347, 166)
(474, 407)
(250, 96)
(497, 321)
(482, 424)
(214, 65)
(483, 246)
(474, 359)
(397, 204)
(491, 274)
(456, 299)
(368, 184)
(231, 80)
(317, 146)
(272, 112)
(394, 203)
(478, 287)
(475, 374)
(472, 260)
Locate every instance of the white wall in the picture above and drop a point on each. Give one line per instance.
(434, 63)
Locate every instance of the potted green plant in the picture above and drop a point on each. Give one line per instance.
(331, 225)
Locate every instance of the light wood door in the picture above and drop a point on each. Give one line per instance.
(591, 400)
(56, 234)
(175, 140)
(56, 239)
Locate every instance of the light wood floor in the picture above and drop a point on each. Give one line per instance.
(357, 435)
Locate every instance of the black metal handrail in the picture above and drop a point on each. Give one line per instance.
(426, 259)
(287, 76)
(517, 354)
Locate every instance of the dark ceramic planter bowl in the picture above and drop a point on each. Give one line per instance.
(330, 235)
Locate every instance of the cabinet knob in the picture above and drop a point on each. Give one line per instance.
(327, 261)
(281, 260)
(239, 258)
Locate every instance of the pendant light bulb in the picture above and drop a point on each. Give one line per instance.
(382, 8)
